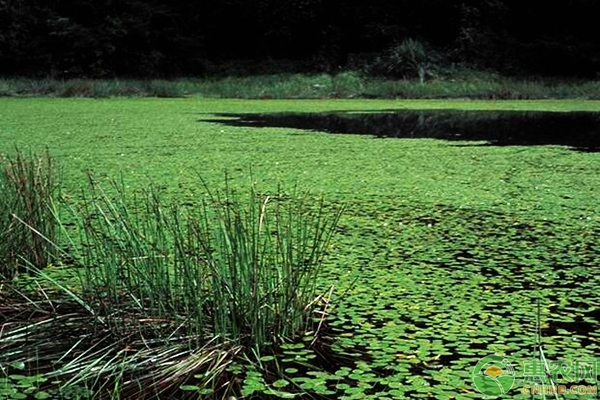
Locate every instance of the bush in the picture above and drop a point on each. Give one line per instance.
(410, 59)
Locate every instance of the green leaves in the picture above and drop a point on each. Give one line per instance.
(197, 389)
(465, 287)
(18, 386)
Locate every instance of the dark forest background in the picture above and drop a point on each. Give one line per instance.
(165, 38)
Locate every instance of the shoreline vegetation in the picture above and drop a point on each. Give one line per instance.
(306, 86)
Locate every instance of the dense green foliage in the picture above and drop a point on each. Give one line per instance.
(158, 38)
(439, 258)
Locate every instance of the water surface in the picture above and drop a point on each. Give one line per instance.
(577, 130)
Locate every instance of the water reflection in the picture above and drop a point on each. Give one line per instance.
(578, 130)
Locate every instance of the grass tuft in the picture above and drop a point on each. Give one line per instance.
(157, 292)
(240, 267)
(29, 187)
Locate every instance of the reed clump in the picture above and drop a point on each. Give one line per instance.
(29, 187)
(152, 292)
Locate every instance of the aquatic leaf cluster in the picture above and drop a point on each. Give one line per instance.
(424, 292)
(432, 289)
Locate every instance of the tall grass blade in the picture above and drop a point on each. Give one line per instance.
(29, 187)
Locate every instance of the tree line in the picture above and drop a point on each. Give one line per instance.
(161, 38)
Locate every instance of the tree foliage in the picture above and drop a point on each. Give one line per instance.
(103, 38)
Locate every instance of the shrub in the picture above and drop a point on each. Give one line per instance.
(411, 58)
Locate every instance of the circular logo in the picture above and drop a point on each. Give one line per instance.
(493, 375)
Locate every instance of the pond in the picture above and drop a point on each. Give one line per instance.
(449, 250)
(432, 289)
(577, 130)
